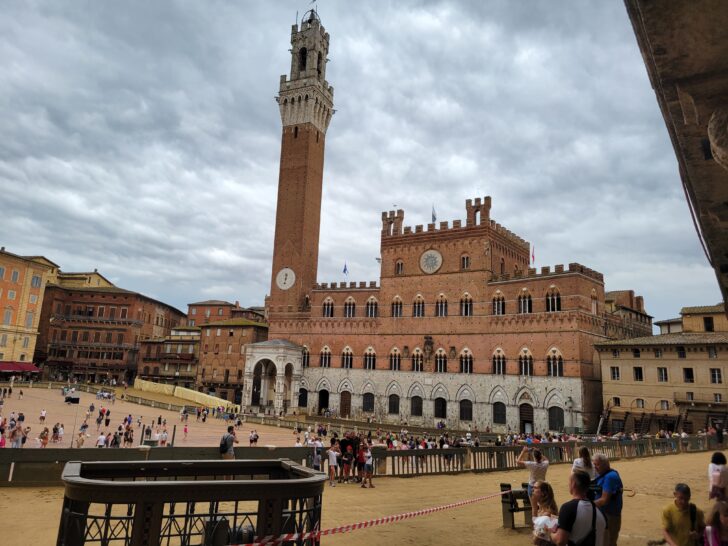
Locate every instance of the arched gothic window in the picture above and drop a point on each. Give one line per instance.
(367, 405)
(499, 304)
(397, 308)
(349, 308)
(325, 358)
(418, 307)
(347, 359)
(372, 308)
(370, 359)
(395, 360)
(499, 363)
(466, 306)
(417, 361)
(305, 357)
(399, 267)
(464, 262)
(525, 304)
(441, 361)
(553, 301)
(328, 308)
(441, 307)
(302, 58)
(466, 362)
(555, 365)
(525, 364)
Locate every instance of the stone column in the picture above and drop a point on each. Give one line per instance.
(279, 388)
(247, 390)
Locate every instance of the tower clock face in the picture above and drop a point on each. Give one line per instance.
(285, 278)
(430, 261)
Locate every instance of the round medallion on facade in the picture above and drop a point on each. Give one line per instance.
(285, 278)
(430, 261)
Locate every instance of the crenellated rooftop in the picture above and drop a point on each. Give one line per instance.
(545, 271)
(361, 285)
(477, 217)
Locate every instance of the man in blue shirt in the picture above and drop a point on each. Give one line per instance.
(610, 501)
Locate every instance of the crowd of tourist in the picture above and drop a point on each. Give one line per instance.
(593, 514)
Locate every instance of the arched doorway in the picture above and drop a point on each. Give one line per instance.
(525, 417)
(440, 408)
(556, 418)
(323, 400)
(345, 410)
(264, 383)
(302, 398)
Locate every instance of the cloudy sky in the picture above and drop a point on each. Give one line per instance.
(142, 139)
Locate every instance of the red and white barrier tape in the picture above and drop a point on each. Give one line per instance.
(271, 540)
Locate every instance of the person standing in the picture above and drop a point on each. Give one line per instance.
(584, 463)
(536, 468)
(682, 522)
(101, 440)
(579, 518)
(227, 450)
(610, 501)
(368, 465)
(718, 477)
(334, 454)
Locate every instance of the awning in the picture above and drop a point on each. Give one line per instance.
(18, 367)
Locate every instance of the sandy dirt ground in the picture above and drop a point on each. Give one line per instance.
(199, 433)
(31, 516)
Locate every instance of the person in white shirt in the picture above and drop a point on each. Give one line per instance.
(101, 440)
(334, 454)
(536, 468)
(584, 463)
(718, 477)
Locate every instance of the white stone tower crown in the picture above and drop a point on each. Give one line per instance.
(306, 97)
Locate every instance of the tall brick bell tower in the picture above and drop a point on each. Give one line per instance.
(305, 100)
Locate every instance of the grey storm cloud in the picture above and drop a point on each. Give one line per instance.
(143, 139)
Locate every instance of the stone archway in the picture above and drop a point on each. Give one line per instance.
(264, 383)
(525, 418)
(323, 400)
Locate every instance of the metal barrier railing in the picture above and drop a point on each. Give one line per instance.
(167, 503)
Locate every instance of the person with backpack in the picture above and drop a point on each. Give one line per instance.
(683, 523)
(580, 521)
(610, 488)
(227, 450)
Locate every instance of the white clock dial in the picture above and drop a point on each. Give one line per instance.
(430, 261)
(285, 278)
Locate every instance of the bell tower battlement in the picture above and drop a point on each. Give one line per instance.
(306, 96)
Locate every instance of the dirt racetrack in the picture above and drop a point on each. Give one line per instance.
(31, 516)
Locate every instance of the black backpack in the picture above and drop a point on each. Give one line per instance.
(224, 444)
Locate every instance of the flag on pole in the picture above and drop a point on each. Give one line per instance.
(434, 214)
(346, 270)
(533, 254)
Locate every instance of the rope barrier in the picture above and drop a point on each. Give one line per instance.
(271, 540)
